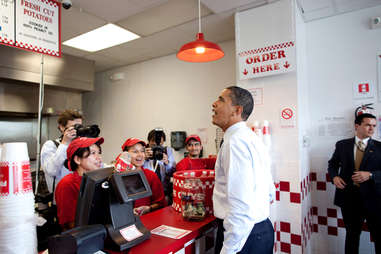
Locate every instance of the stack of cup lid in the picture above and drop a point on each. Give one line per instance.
(17, 220)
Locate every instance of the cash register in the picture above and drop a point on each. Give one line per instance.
(106, 198)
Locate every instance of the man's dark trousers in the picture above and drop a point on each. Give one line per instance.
(354, 212)
(260, 240)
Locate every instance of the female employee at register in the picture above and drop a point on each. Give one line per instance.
(136, 148)
(83, 155)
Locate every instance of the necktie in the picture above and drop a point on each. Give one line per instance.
(360, 148)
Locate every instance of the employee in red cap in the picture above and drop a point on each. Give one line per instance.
(83, 155)
(136, 148)
(193, 161)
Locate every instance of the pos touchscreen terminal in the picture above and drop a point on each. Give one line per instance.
(106, 197)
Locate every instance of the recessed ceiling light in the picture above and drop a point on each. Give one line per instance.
(103, 37)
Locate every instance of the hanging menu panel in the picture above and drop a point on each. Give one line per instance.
(7, 22)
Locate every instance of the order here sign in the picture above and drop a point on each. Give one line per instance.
(33, 25)
(268, 48)
(270, 60)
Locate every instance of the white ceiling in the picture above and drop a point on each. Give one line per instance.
(165, 25)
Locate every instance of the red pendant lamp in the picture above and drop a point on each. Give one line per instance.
(200, 50)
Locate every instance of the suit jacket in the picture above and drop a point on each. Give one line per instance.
(342, 164)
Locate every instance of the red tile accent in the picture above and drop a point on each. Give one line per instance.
(278, 236)
(332, 230)
(315, 227)
(331, 212)
(314, 210)
(313, 176)
(285, 247)
(277, 195)
(340, 223)
(295, 197)
(284, 186)
(322, 220)
(321, 185)
(327, 178)
(285, 227)
(296, 239)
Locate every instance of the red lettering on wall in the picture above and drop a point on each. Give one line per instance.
(265, 57)
(272, 56)
(281, 54)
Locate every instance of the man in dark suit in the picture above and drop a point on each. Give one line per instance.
(355, 170)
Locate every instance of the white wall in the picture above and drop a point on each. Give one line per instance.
(303, 134)
(341, 50)
(163, 92)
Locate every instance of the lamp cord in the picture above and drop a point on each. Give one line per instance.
(199, 17)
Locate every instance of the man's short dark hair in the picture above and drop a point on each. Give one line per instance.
(68, 115)
(152, 133)
(242, 97)
(360, 118)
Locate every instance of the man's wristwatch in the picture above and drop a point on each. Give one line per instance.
(371, 176)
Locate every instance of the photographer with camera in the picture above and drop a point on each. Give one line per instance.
(53, 152)
(160, 159)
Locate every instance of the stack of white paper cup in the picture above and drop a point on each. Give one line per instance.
(17, 222)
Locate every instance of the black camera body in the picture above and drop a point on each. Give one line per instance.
(157, 149)
(91, 131)
(157, 152)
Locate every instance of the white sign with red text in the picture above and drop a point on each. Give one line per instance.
(38, 26)
(265, 40)
(259, 62)
(7, 22)
(363, 90)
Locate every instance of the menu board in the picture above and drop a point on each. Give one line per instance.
(7, 22)
(33, 25)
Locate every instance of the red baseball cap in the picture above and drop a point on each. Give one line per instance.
(132, 141)
(81, 143)
(195, 137)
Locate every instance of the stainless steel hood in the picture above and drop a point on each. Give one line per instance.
(65, 79)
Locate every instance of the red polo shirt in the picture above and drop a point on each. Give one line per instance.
(66, 194)
(191, 164)
(156, 188)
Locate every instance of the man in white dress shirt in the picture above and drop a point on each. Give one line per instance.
(243, 184)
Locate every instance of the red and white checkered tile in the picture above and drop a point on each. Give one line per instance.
(284, 193)
(288, 240)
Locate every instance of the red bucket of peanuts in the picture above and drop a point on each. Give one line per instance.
(192, 192)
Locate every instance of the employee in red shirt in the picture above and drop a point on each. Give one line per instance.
(83, 155)
(193, 160)
(136, 148)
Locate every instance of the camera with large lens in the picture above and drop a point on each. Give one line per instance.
(91, 131)
(157, 149)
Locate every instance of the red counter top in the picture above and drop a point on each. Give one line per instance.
(163, 245)
(168, 216)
